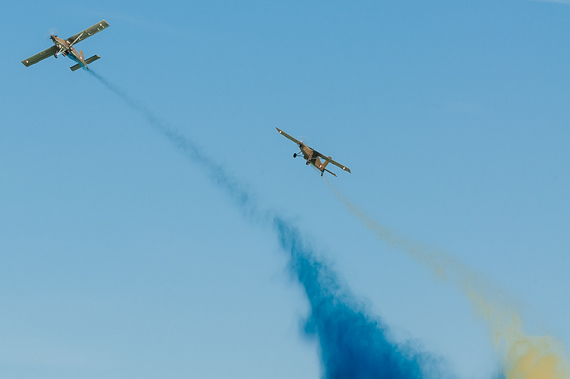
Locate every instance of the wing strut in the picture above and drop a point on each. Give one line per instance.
(77, 39)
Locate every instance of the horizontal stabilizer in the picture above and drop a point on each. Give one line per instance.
(87, 61)
(92, 59)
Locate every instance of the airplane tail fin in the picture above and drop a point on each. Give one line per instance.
(81, 54)
(325, 163)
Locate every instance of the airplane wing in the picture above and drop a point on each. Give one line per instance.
(333, 162)
(39, 56)
(288, 136)
(87, 32)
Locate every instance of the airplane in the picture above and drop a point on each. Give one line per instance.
(312, 156)
(65, 47)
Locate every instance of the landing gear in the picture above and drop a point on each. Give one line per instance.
(295, 155)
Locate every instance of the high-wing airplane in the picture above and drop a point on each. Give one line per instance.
(312, 156)
(65, 47)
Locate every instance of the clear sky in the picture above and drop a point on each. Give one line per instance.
(122, 258)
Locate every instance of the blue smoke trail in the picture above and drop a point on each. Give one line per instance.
(353, 345)
(190, 149)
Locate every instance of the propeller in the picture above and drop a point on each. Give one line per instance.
(51, 32)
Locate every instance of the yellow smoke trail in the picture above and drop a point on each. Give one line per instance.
(525, 357)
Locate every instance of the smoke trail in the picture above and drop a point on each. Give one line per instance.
(187, 147)
(525, 357)
(353, 345)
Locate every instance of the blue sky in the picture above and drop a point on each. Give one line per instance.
(122, 258)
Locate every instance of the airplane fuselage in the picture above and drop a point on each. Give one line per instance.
(311, 158)
(66, 50)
